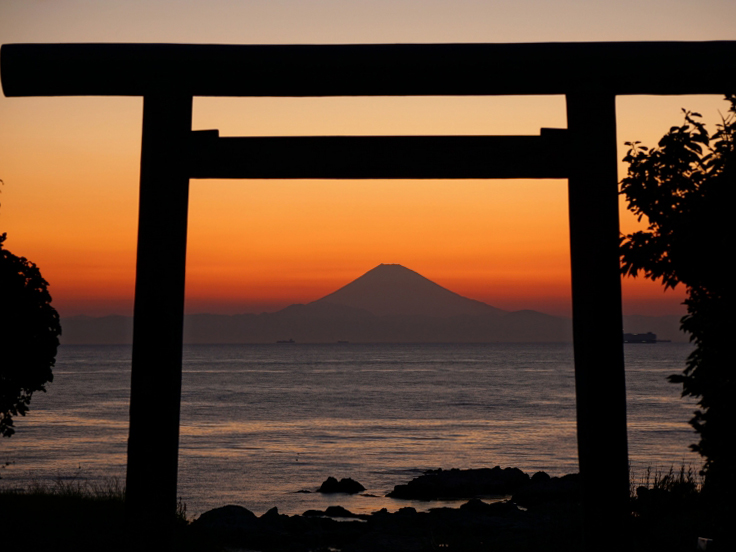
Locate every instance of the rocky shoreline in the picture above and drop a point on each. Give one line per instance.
(529, 513)
(539, 513)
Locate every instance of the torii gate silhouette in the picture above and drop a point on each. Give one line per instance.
(589, 75)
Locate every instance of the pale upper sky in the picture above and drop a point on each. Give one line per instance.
(70, 165)
(373, 21)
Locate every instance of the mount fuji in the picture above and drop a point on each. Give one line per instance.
(388, 304)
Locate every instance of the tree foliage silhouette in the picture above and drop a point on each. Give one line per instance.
(684, 188)
(29, 336)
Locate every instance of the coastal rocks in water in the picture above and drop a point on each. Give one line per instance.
(455, 483)
(476, 525)
(547, 517)
(271, 514)
(346, 485)
(331, 512)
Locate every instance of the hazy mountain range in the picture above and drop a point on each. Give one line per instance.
(388, 304)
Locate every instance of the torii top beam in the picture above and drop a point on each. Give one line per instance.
(618, 68)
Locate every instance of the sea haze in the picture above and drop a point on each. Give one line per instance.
(262, 422)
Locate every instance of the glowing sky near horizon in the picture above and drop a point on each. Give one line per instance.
(70, 165)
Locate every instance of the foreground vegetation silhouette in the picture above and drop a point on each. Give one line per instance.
(76, 514)
(542, 514)
(29, 336)
(684, 189)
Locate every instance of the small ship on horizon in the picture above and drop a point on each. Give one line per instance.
(648, 337)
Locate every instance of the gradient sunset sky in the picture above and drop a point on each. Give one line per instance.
(71, 165)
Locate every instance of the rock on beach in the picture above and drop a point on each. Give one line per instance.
(550, 514)
(455, 483)
(473, 526)
(346, 485)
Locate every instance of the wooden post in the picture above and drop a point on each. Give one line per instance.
(597, 320)
(159, 313)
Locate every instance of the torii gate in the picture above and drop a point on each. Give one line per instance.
(590, 75)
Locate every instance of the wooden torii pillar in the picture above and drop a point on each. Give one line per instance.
(589, 75)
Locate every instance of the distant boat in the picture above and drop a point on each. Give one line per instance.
(341, 341)
(648, 337)
(286, 341)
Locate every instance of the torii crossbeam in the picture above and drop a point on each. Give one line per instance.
(167, 76)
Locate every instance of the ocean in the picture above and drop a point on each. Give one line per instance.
(261, 424)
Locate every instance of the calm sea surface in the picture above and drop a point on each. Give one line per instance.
(262, 422)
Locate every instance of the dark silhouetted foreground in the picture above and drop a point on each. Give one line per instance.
(684, 189)
(539, 512)
(29, 336)
(169, 76)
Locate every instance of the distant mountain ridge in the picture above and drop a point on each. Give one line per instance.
(392, 289)
(388, 304)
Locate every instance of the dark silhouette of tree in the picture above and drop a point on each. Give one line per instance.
(685, 189)
(29, 336)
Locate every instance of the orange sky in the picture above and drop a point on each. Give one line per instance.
(70, 167)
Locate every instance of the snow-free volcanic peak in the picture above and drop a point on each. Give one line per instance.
(393, 289)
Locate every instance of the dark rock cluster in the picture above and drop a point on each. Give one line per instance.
(346, 485)
(446, 484)
(543, 489)
(475, 525)
(544, 516)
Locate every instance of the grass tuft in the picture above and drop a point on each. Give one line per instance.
(70, 513)
(110, 489)
(668, 510)
(684, 481)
